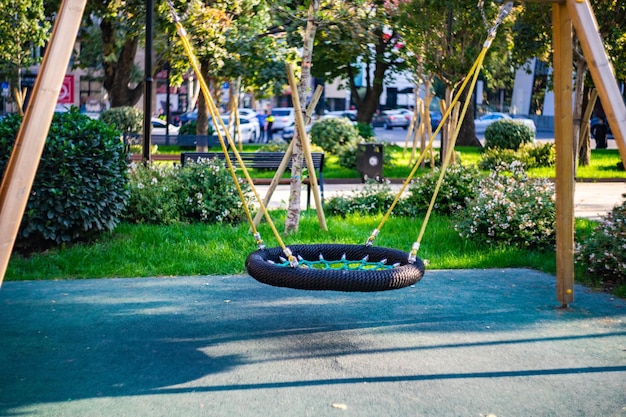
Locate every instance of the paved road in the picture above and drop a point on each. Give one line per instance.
(398, 136)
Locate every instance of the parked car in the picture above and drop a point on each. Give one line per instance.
(247, 128)
(283, 117)
(251, 116)
(482, 122)
(288, 132)
(160, 127)
(392, 118)
(348, 114)
(189, 116)
(396, 118)
(435, 119)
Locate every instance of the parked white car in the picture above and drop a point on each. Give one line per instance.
(247, 128)
(482, 122)
(283, 117)
(251, 116)
(159, 127)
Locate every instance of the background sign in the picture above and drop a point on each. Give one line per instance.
(66, 95)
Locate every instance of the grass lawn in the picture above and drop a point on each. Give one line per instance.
(198, 249)
(604, 164)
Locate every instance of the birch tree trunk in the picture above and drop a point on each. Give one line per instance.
(293, 211)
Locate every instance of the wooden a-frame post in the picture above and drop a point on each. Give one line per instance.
(31, 137)
(578, 15)
(564, 147)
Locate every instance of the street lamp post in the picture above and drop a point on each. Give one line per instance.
(147, 94)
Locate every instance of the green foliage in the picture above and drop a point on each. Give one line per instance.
(191, 128)
(366, 130)
(333, 134)
(531, 155)
(81, 186)
(538, 155)
(507, 134)
(494, 157)
(510, 209)
(23, 28)
(374, 198)
(459, 184)
(603, 254)
(197, 192)
(188, 128)
(126, 119)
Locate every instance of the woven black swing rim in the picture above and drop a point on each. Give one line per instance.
(260, 268)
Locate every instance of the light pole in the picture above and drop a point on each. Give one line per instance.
(147, 94)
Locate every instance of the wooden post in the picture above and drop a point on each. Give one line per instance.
(564, 146)
(601, 71)
(306, 147)
(31, 137)
(285, 162)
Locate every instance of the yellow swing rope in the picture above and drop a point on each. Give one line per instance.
(505, 9)
(216, 119)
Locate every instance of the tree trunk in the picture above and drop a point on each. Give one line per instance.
(202, 124)
(117, 72)
(292, 220)
(368, 104)
(467, 135)
(584, 147)
(579, 95)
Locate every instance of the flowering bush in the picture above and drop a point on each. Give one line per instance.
(512, 209)
(197, 192)
(374, 198)
(604, 253)
(492, 158)
(458, 184)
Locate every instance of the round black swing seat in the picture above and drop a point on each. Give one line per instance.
(263, 265)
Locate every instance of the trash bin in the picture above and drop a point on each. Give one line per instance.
(369, 161)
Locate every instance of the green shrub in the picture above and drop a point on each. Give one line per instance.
(459, 184)
(191, 128)
(333, 134)
(125, 119)
(197, 192)
(529, 154)
(491, 158)
(366, 130)
(81, 185)
(603, 255)
(188, 128)
(507, 134)
(374, 198)
(538, 155)
(510, 209)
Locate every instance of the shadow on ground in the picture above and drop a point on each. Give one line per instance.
(152, 346)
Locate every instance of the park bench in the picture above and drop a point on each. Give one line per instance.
(265, 160)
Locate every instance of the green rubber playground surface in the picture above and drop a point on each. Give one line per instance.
(458, 343)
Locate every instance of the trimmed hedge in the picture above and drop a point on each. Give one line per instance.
(81, 185)
(507, 134)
